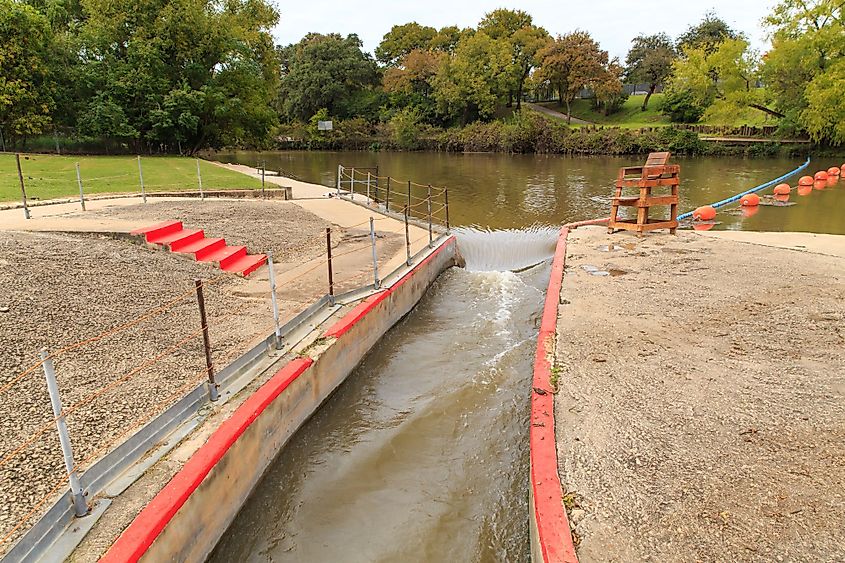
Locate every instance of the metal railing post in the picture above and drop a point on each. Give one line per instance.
(446, 197)
(352, 185)
(23, 188)
(273, 301)
(80, 507)
(430, 232)
(213, 390)
(376, 281)
(263, 170)
(409, 196)
(329, 261)
(199, 179)
(81, 193)
(407, 239)
(387, 196)
(339, 176)
(141, 177)
(368, 188)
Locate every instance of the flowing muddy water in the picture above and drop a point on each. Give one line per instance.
(513, 191)
(422, 454)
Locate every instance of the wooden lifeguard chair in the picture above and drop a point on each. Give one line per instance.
(655, 173)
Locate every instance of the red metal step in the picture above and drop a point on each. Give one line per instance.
(245, 265)
(201, 247)
(224, 255)
(176, 240)
(159, 229)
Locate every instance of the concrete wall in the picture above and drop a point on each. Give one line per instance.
(187, 518)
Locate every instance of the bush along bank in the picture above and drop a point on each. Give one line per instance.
(522, 133)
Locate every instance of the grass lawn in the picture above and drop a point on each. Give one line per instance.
(50, 176)
(630, 116)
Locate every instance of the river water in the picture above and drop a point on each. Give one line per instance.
(421, 455)
(511, 191)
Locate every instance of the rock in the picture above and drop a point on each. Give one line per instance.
(576, 515)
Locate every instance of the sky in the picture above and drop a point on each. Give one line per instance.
(613, 23)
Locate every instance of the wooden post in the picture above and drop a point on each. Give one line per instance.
(23, 188)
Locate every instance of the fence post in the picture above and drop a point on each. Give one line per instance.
(23, 188)
(376, 281)
(446, 197)
(428, 204)
(329, 256)
(213, 390)
(263, 170)
(387, 196)
(368, 188)
(409, 196)
(273, 299)
(339, 175)
(407, 239)
(199, 179)
(81, 193)
(80, 507)
(352, 185)
(141, 176)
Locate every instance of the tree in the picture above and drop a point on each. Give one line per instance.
(26, 88)
(323, 71)
(524, 39)
(469, 83)
(804, 69)
(650, 62)
(608, 89)
(402, 39)
(571, 63)
(706, 35)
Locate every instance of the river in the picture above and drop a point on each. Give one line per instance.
(500, 191)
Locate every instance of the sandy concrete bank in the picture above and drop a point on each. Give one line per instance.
(700, 413)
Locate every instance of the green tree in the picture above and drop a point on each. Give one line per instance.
(650, 62)
(402, 39)
(26, 87)
(706, 35)
(572, 62)
(469, 84)
(805, 71)
(324, 71)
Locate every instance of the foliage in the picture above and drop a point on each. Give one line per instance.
(682, 106)
(405, 128)
(401, 40)
(323, 71)
(650, 61)
(26, 88)
(706, 35)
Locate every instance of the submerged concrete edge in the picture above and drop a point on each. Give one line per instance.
(209, 480)
(551, 537)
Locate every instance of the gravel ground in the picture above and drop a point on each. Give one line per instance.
(701, 402)
(57, 289)
(279, 226)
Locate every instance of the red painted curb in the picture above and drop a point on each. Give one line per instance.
(145, 528)
(552, 524)
(577, 224)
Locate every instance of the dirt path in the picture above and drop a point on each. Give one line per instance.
(557, 115)
(701, 403)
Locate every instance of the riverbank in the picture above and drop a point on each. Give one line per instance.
(699, 404)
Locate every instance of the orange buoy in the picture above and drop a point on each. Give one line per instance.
(820, 184)
(832, 180)
(705, 226)
(782, 197)
(749, 200)
(805, 190)
(704, 213)
(805, 181)
(833, 171)
(782, 189)
(820, 175)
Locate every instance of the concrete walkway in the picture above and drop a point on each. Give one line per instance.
(557, 114)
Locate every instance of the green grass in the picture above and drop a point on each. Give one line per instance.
(629, 116)
(50, 176)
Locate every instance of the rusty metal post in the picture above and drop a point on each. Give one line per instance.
(329, 256)
(213, 390)
(23, 188)
(407, 239)
(80, 507)
(428, 204)
(446, 197)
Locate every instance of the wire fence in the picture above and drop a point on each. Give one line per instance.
(71, 404)
(34, 179)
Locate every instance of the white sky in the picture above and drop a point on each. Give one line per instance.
(613, 23)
